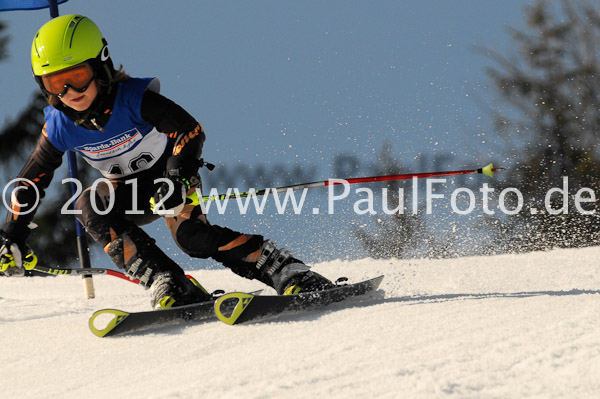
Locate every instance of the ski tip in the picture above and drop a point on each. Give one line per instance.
(115, 317)
(377, 281)
(229, 307)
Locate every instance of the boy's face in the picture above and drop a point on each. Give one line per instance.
(80, 101)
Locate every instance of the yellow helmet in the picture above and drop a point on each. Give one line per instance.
(69, 40)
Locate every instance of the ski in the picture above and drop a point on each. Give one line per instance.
(118, 322)
(239, 307)
(122, 322)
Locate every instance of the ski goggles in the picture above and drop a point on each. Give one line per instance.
(78, 78)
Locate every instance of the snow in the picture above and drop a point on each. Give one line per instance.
(509, 326)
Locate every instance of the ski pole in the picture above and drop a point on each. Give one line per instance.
(82, 272)
(486, 170)
(61, 271)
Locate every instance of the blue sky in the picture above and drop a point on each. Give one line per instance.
(301, 82)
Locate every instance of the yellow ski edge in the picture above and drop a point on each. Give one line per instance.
(118, 317)
(243, 299)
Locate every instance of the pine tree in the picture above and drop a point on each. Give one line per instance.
(552, 86)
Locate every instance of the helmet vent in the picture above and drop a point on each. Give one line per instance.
(73, 24)
(74, 21)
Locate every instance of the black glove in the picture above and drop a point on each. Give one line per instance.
(170, 197)
(15, 254)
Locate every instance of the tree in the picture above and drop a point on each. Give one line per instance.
(3, 41)
(551, 84)
(402, 234)
(552, 87)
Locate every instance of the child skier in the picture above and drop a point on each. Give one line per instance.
(133, 135)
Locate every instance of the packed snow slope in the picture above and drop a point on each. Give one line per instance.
(510, 326)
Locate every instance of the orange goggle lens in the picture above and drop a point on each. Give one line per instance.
(77, 77)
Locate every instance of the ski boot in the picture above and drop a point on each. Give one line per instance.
(287, 274)
(136, 253)
(171, 290)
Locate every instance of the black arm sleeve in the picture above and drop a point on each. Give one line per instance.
(36, 174)
(180, 126)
